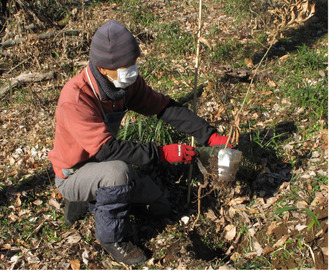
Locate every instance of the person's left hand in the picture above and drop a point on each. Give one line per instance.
(215, 139)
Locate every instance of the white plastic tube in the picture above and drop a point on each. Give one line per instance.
(228, 164)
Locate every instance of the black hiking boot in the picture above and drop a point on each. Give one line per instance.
(74, 210)
(125, 252)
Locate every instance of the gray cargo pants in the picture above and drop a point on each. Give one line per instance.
(114, 185)
(84, 183)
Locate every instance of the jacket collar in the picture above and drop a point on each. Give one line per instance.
(100, 81)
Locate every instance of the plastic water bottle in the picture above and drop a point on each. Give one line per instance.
(228, 164)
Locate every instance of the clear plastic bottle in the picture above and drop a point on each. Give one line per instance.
(228, 164)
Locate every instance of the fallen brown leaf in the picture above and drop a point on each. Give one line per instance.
(18, 201)
(237, 201)
(256, 245)
(270, 202)
(206, 42)
(211, 215)
(300, 227)
(13, 218)
(253, 211)
(284, 57)
(249, 63)
(281, 241)
(231, 212)
(54, 203)
(5, 247)
(267, 250)
(271, 83)
(75, 264)
(235, 256)
(230, 232)
(37, 202)
(318, 200)
(74, 238)
(85, 257)
(271, 227)
(250, 255)
(301, 204)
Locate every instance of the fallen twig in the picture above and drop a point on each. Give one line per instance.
(47, 35)
(311, 252)
(46, 217)
(26, 78)
(20, 63)
(26, 7)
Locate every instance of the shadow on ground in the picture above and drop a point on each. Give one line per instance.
(262, 169)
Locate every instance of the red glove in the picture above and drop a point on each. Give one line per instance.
(216, 139)
(177, 153)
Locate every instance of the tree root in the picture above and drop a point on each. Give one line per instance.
(206, 182)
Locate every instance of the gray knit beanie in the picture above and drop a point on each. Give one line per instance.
(113, 46)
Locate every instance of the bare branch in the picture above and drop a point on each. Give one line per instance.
(25, 78)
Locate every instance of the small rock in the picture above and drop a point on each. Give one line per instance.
(185, 219)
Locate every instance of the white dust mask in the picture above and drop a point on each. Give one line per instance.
(126, 77)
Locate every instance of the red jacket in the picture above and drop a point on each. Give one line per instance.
(80, 130)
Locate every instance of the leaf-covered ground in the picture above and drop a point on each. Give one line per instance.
(274, 216)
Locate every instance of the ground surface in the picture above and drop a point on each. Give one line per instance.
(273, 216)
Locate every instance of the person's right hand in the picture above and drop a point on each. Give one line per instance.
(177, 153)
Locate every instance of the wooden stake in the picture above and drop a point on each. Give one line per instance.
(195, 96)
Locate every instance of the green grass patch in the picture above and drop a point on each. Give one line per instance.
(237, 9)
(301, 81)
(173, 41)
(307, 211)
(149, 129)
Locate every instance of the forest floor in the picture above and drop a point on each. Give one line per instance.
(273, 216)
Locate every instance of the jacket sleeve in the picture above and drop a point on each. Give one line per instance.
(184, 120)
(142, 99)
(130, 152)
